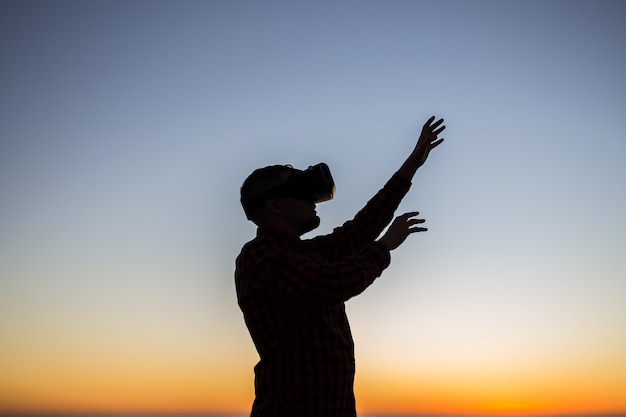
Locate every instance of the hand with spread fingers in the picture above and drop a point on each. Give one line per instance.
(429, 139)
(401, 227)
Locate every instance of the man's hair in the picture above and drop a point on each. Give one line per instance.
(261, 180)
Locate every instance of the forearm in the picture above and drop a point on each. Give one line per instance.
(368, 223)
(330, 283)
(408, 169)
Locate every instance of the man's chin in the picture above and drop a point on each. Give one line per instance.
(312, 224)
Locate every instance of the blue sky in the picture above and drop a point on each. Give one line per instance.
(127, 128)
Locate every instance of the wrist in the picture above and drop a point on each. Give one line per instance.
(409, 168)
(384, 243)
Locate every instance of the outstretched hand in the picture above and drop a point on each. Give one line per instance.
(428, 140)
(401, 227)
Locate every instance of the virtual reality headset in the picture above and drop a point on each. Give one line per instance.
(314, 184)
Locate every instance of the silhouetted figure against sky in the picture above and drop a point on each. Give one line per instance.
(292, 291)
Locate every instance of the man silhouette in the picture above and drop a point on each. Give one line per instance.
(292, 291)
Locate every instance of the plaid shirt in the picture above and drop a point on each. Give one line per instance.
(292, 295)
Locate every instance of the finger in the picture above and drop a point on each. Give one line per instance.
(412, 222)
(429, 121)
(436, 143)
(441, 129)
(406, 216)
(437, 123)
(417, 229)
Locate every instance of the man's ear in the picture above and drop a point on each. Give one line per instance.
(273, 206)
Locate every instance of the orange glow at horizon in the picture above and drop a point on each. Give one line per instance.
(489, 395)
(134, 394)
(129, 385)
(201, 390)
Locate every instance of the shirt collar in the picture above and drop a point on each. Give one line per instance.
(274, 232)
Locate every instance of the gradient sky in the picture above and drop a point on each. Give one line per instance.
(127, 128)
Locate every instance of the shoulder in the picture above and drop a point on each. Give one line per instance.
(258, 262)
(260, 246)
(261, 253)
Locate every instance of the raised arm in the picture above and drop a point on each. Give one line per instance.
(356, 234)
(407, 223)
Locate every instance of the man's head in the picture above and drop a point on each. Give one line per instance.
(285, 197)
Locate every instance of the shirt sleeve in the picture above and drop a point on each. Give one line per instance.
(300, 275)
(356, 234)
